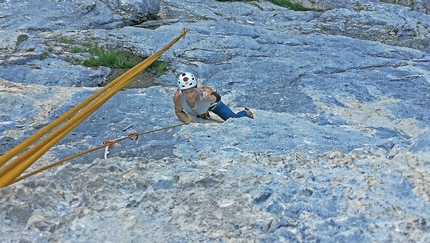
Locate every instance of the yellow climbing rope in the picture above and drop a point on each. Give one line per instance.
(10, 171)
(108, 143)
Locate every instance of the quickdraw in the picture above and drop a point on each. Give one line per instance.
(108, 144)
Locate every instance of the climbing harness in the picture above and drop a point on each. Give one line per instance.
(205, 116)
(69, 120)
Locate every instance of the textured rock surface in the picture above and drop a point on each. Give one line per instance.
(339, 150)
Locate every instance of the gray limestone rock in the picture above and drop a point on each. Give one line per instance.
(338, 150)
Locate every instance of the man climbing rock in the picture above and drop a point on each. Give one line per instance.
(190, 100)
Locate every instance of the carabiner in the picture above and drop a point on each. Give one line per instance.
(109, 144)
(131, 135)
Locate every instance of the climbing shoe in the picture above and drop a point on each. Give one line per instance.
(249, 113)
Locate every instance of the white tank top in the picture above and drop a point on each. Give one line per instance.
(199, 109)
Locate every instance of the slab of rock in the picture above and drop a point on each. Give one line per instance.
(338, 150)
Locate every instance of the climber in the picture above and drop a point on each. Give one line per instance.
(190, 100)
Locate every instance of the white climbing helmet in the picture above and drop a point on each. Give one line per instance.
(186, 80)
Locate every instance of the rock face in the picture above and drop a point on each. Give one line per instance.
(338, 151)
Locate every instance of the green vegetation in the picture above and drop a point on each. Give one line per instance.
(66, 40)
(160, 67)
(108, 57)
(44, 55)
(76, 49)
(91, 54)
(293, 6)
